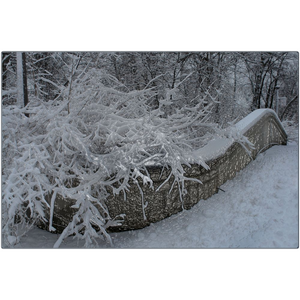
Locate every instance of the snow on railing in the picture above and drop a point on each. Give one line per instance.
(225, 156)
(218, 146)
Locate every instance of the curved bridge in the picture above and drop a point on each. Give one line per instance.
(224, 157)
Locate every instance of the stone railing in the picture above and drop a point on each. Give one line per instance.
(224, 157)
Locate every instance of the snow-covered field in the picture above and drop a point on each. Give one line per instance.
(259, 209)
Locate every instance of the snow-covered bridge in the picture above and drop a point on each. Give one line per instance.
(256, 133)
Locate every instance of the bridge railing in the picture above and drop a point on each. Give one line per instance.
(225, 159)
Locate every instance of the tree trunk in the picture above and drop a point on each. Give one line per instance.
(22, 97)
(25, 91)
(286, 108)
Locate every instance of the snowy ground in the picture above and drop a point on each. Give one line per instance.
(259, 209)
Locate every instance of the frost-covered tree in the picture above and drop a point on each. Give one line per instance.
(90, 144)
(9, 78)
(97, 121)
(264, 73)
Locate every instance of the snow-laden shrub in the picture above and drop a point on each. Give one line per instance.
(96, 140)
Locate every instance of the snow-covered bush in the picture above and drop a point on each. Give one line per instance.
(94, 141)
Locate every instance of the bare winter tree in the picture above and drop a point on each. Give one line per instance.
(264, 73)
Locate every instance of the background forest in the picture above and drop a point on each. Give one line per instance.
(102, 117)
(239, 82)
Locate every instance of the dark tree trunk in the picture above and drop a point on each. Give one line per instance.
(25, 91)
